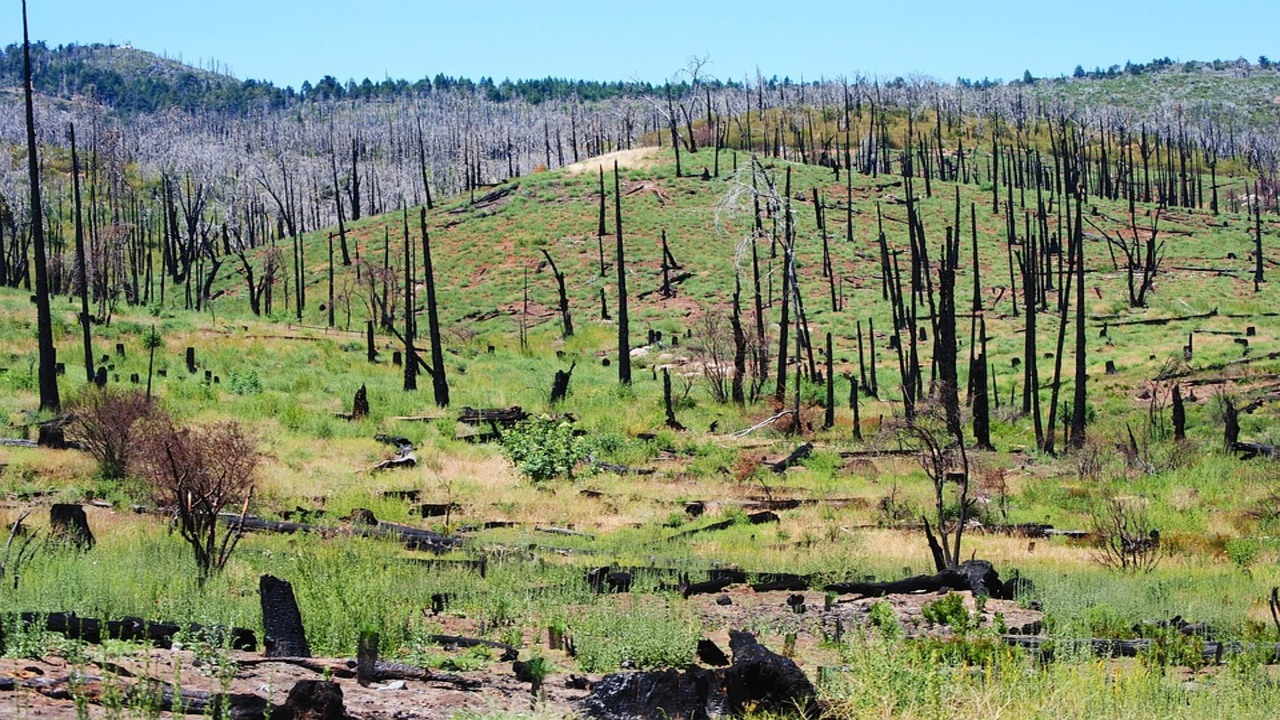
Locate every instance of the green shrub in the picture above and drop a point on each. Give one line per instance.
(543, 449)
(884, 618)
(950, 611)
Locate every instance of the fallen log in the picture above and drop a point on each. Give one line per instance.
(97, 690)
(562, 531)
(1212, 651)
(405, 456)
(753, 519)
(796, 456)
(509, 652)
(347, 669)
(159, 634)
(621, 469)
(1155, 321)
(977, 576)
(412, 538)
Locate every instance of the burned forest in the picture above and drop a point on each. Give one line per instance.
(479, 400)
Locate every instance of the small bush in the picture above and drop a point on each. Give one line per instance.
(950, 611)
(543, 449)
(105, 422)
(884, 618)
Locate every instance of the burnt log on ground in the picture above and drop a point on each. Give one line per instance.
(509, 652)
(410, 537)
(504, 416)
(496, 418)
(479, 566)
(382, 671)
(1251, 450)
(97, 690)
(405, 456)
(887, 452)
(428, 510)
(68, 523)
(1159, 320)
(1211, 651)
(796, 456)
(606, 579)
(772, 582)
(758, 679)
(621, 469)
(1178, 374)
(752, 519)
(159, 634)
(977, 576)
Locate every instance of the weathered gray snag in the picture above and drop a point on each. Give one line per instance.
(283, 634)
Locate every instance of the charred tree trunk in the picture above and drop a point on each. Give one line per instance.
(410, 319)
(566, 320)
(49, 401)
(439, 381)
(82, 269)
(624, 329)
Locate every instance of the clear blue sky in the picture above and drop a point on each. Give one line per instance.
(287, 41)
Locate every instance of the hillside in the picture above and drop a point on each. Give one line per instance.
(774, 515)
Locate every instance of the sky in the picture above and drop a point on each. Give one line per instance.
(289, 41)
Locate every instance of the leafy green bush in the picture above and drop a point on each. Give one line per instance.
(543, 449)
(950, 611)
(884, 618)
(244, 383)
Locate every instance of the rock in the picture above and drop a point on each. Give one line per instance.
(724, 600)
(395, 685)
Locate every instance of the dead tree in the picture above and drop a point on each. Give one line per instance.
(1142, 257)
(624, 328)
(82, 276)
(48, 375)
(196, 473)
(565, 319)
(439, 382)
(945, 461)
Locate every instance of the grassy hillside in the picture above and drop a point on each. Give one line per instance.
(854, 514)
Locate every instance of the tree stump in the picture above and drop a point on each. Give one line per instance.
(283, 634)
(69, 524)
(316, 700)
(560, 385)
(100, 377)
(191, 360)
(366, 657)
(360, 406)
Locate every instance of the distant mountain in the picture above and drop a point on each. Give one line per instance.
(133, 81)
(130, 80)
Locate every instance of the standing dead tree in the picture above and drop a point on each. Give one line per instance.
(1142, 257)
(945, 461)
(565, 319)
(44, 321)
(1126, 539)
